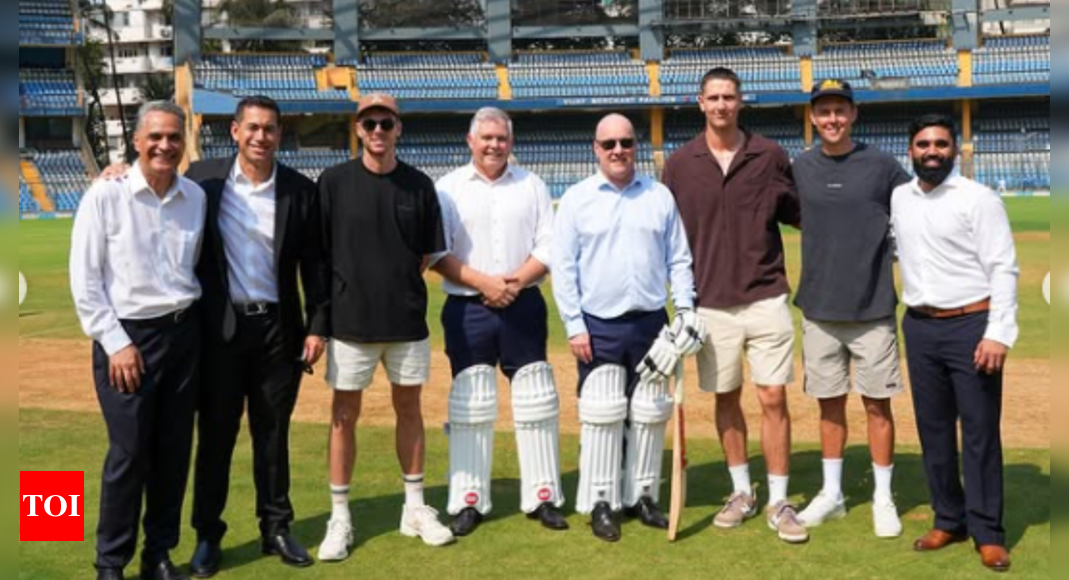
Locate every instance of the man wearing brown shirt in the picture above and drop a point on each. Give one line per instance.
(734, 189)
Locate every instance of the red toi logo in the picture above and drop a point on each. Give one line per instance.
(53, 506)
(471, 499)
(544, 494)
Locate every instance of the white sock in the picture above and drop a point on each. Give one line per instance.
(884, 475)
(833, 478)
(414, 490)
(777, 488)
(339, 496)
(740, 478)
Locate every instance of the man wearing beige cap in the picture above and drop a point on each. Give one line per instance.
(380, 222)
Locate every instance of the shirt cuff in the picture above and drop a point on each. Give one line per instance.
(576, 327)
(115, 340)
(1002, 334)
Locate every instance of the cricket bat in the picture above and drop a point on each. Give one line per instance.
(679, 458)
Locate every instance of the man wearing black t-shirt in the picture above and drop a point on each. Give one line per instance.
(381, 221)
(847, 294)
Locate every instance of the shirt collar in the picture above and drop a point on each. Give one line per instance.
(473, 174)
(603, 182)
(950, 183)
(238, 176)
(138, 183)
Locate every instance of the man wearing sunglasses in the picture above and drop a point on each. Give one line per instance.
(734, 189)
(499, 224)
(618, 243)
(380, 222)
(959, 276)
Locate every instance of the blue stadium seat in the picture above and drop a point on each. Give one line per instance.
(426, 76)
(765, 69)
(535, 75)
(922, 63)
(1012, 60)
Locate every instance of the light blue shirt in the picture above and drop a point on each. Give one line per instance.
(615, 251)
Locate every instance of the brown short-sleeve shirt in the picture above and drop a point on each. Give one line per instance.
(733, 221)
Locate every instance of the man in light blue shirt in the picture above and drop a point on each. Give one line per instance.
(618, 243)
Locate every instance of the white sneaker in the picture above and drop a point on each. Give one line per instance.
(823, 509)
(885, 518)
(422, 522)
(339, 541)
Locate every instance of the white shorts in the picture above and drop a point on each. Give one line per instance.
(763, 331)
(351, 367)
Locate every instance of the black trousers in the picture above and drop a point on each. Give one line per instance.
(254, 367)
(948, 388)
(150, 436)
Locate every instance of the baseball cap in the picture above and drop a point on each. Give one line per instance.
(832, 88)
(377, 101)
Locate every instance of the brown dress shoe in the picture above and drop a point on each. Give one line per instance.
(937, 540)
(995, 558)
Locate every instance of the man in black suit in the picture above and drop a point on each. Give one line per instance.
(261, 229)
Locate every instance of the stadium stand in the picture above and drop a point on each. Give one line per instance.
(216, 143)
(285, 77)
(766, 69)
(27, 205)
(451, 75)
(65, 177)
(535, 75)
(48, 92)
(46, 22)
(1013, 148)
(779, 124)
(1012, 60)
(923, 63)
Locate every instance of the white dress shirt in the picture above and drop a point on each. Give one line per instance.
(247, 224)
(955, 248)
(133, 255)
(495, 227)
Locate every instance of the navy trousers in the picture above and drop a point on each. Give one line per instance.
(947, 389)
(150, 436)
(513, 337)
(622, 341)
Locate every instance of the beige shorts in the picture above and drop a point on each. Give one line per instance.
(351, 367)
(762, 331)
(831, 347)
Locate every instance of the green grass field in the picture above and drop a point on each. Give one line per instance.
(509, 546)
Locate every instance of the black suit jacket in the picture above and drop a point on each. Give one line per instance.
(298, 253)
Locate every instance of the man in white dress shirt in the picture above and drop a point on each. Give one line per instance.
(133, 252)
(498, 221)
(959, 270)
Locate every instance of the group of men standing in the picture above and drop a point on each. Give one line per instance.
(189, 288)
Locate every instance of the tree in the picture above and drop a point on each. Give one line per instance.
(90, 62)
(422, 13)
(99, 15)
(261, 14)
(158, 87)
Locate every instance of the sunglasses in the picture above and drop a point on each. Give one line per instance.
(370, 125)
(610, 144)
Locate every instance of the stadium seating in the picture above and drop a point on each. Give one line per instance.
(766, 69)
(48, 92)
(1012, 60)
(423, 76)
(65, 177)
(287, 77)
(216, 142)
(26, 202)
(924, 63)
(46, 22)
(535, 75)
(1013, 148)
(777, 124)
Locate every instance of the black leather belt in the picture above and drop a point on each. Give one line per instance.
(252, 309)
(172, 319)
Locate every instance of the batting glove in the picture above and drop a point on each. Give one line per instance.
(660, 362)
(689, 331)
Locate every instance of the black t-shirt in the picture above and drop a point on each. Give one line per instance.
(847, 273)
(377, 230)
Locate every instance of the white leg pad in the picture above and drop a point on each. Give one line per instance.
(651, 408)
(536, 410)
(602, 411)
(472, 413)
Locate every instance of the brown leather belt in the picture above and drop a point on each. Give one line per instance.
(981, 306)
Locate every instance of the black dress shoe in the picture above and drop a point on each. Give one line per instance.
(164, 570)
(604, 525)
(206, 559)
(466, 522)
(648, 513)
(286, 547)
(550, 516)
(109, 574)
